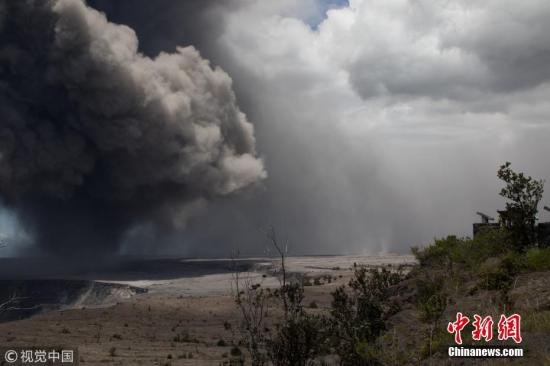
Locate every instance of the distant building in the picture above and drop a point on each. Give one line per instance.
(479, 227)
(485, 224)
(542, 229)
(543, 233)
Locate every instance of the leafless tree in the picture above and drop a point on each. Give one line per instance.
(252, 301)
(281, 248)
(296, 340)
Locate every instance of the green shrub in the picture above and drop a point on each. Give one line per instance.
(536, 321)
(523, 194)
(358, 313)
(440, 253)
(452, 252)
(428, 286)
(499, 280)
(500, 274)
(433, 307)
(184, 337)
(235, 351)
(297, 341)
(538, 259)
(431, 298)
(488, 244)
(438, 343)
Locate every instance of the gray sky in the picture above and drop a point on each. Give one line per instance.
(380, 123)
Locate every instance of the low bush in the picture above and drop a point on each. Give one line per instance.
(538, 259)
(185, 337)
(536, 321)
(500, 273)
(358, 313)
(221, 343)
(235, 351)
(438, 343)
(298, 341)
(451, 251)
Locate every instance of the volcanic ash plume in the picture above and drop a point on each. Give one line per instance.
(96, 138)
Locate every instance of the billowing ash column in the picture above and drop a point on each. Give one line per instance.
(96, 138)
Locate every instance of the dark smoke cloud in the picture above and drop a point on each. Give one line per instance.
(97, 138)
(163, 25)
(325, 193)
(363, 153)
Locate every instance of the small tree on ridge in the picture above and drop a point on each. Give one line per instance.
(524, 194)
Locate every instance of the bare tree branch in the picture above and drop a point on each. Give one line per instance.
(252, 302)
(281, 248)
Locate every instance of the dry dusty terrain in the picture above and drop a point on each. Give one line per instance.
(178, 321)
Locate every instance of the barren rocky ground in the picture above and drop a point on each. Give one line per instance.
(178, 321)
(193, 320)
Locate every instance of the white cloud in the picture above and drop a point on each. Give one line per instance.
(396, 113)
